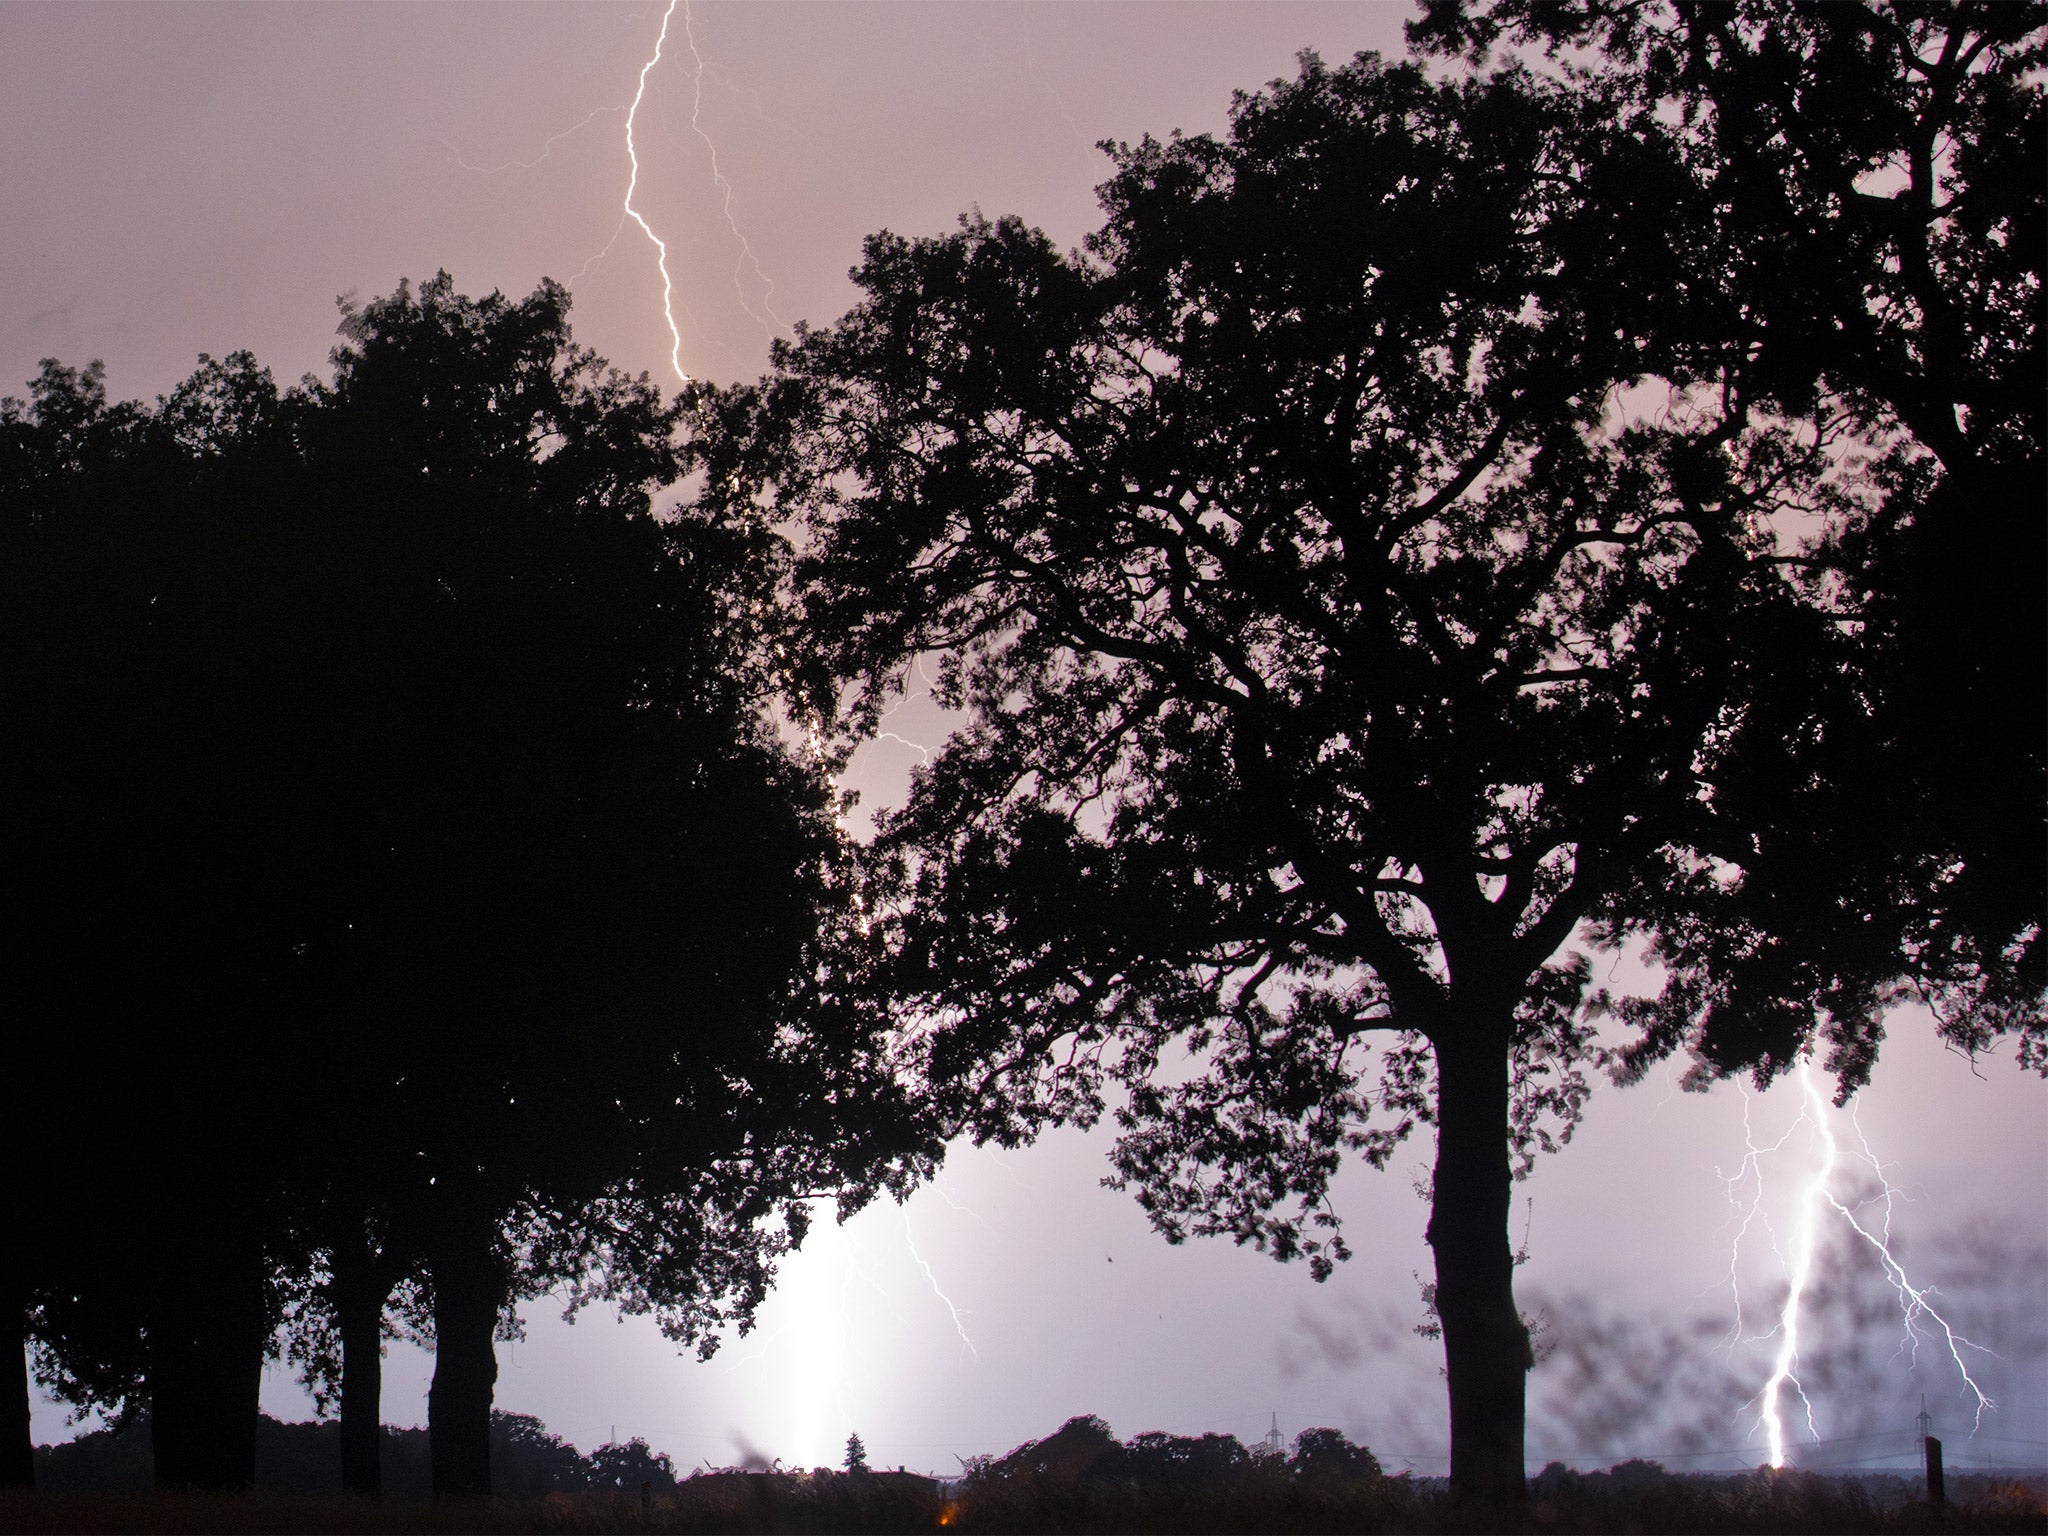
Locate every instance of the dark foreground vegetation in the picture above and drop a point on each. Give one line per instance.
(426, 911)
(1472, 514)
(527, 1461)
(1079, 1479)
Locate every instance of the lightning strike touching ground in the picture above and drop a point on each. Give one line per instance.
(746, 257)
(675, 355)
(1805, 1240)
(959, 1327)
(1913, 1302)
(1816, 1197)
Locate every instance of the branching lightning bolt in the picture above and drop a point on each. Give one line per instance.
(1913, 1302)
(675, 356)
(923, 751)
(762, 314)
(1815, 1198)
(747, 257)
(547, 147)
(959, 1326)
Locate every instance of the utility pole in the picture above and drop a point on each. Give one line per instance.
(1273, 1442)
(1937, 1483)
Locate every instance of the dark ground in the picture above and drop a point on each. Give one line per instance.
(890, 1502)
(1079, 1480)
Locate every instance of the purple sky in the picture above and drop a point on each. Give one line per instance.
(180, 179)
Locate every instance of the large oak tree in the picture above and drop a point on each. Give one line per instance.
(1349, 607)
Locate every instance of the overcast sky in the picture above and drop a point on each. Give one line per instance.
(183, 179)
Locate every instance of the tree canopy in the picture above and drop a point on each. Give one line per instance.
(1870, 182)
(418, 874)
(1352, 601)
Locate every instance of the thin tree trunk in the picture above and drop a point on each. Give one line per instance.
(206, 1366)
(1486, 1345)
(17, 1443)
(469, 1288)
(361, 1287)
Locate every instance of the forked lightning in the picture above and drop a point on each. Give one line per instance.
(1816, 1198)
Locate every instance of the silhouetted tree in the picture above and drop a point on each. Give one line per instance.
(148, 954)
(419, 870)
(1174, 1463)
(590, 897)
(1326, 1456)
(1347, 613)
(1866, 190)
(631, 1467)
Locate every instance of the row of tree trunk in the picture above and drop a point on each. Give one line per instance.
(208, 1338)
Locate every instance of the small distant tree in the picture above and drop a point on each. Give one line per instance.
(856, 1454)
(627, 1468)
(1325, 1456)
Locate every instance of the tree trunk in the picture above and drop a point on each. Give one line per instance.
(361, 1287)
(1486, 1345)
(206, 1342)
(469, 1288)
(17, 1443)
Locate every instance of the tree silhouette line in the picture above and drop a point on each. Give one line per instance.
(416, 903)
(527, 1461)
(1467, 517)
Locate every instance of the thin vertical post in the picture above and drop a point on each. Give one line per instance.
(1937, 1489)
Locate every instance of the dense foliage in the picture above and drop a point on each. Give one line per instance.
(417, 897)
(1418, 540)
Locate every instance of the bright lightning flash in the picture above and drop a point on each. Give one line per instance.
(1807, 1216)
(675, 356)
(1816, 1197)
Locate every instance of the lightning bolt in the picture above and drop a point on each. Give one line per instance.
(924, 753)
(910, 696)
(764, 314)
(547, 147)
(746, 257)
(1749, 1176)
(1913, 1302)
(959, 1326)
(1807, 1215)
(1816, 1198)
(675, 355)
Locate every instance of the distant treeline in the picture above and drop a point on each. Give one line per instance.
(527, 1461)
(1079, 1478)
(1083, 1478)
(1084, 1453)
